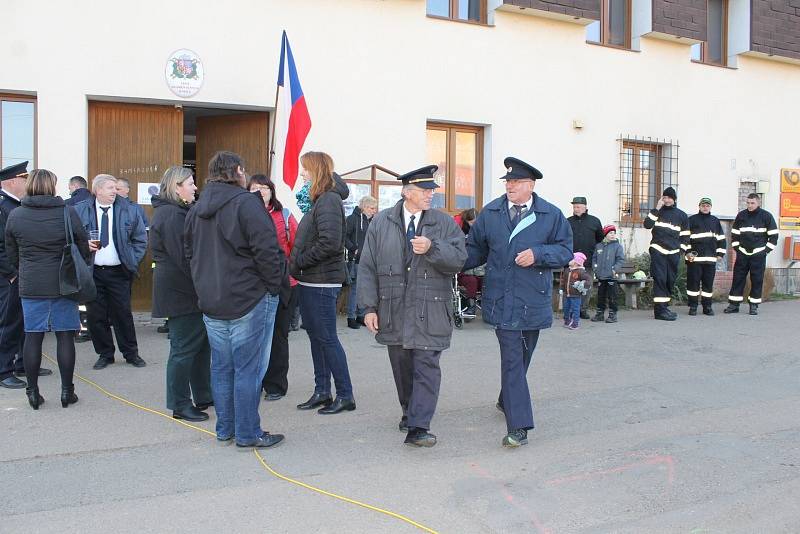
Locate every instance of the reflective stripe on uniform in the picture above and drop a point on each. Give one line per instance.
(720, 237)
(701, 236)
(733, 298)
(755, 250)
(706, 259)
(685, 232)
(662, 250)
(753, 301)
(735, 231)
(661, 300)
(668, 225)
(685, 247)
(652, 217)
(735, 244)
(706, 294)
(753, 229)
(692, 293)
(721, 251)
(771, 246)
(773, 232)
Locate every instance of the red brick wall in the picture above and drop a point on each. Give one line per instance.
(587, 9)
(682, 18)
(775, 27)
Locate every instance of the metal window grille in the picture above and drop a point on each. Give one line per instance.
(646, 167)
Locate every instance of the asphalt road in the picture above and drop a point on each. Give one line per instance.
(642, 426)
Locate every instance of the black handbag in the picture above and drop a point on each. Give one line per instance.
(75, 279)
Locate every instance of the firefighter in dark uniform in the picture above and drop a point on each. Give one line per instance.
(670, 228)
(521, 238)
(706, 246)
(12, 329)
(754, 235)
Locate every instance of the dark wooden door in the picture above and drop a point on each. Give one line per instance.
(244, 134)
(138, 142)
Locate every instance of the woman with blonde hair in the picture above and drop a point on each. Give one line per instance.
(174, 297)
(317, 263)
(36, 234)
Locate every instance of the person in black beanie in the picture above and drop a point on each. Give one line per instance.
(670, 228)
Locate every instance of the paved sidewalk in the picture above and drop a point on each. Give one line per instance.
(642, 426)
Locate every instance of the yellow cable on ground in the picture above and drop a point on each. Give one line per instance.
(123, 400)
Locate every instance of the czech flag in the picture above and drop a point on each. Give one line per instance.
(292, 121)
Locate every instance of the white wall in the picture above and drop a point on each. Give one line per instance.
(375, 71)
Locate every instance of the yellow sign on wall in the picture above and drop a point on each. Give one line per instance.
(790, 180)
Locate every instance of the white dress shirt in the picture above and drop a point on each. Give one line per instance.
(107, 255)
(407, 217)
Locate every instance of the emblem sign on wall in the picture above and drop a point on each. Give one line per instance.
(790, 199)
(185, 73)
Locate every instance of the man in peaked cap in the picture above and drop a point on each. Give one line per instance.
(408, 261)
(670, 238)
(521, 237)
(12, 329)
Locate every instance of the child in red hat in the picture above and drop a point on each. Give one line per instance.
(575, 282)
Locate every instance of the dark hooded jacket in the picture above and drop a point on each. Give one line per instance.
(173, 290)
(232, 248)
(79, 195)
(35, 239)
(318, 253)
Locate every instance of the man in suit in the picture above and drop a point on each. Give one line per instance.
(123, 243)
(12, 329)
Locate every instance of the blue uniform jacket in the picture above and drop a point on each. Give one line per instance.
(517, 298)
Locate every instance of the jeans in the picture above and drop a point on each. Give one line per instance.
(318, 308)
(189, 362)
(239, 357)
(353, 310)
(572, 311)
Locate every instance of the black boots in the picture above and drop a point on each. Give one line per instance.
(612, 317)
(707, 309)
(663, 313)
(732, 308)
(753, 309)
(68, 395)
(693, 310)
(34, 399)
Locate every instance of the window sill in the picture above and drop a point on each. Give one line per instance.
(470, 22)
(616, 47)
(714, 65)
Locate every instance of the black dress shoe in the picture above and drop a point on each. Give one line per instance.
(732, 308)
(708, 310)
(102, 363)
(339, 405)
(403, 425)
(419, 437)
(266, 440)
(136, 361)
(273, 396)
(352, 323)
(12, 382)
(190, 414)
(202, 406)
(316, 400)
(42, 372)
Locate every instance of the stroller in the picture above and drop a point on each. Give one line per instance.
(460, 308)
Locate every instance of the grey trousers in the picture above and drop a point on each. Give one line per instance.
(417, 377)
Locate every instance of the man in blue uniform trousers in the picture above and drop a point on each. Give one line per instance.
(521, 237)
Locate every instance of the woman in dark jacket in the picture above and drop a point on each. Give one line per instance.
(275, 382)
(35, 239)
(174, 297)
(317, 263)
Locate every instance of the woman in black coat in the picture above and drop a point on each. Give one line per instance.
(35, 239)
(317, 263)
(174, 297)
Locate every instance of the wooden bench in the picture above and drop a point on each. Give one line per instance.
(630, 285)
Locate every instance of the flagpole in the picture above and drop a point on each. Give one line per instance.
(271, 154)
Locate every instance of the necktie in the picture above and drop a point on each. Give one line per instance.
(411, 232)
(104, 227)
(519, 211)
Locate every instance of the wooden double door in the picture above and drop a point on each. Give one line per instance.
(140, 142)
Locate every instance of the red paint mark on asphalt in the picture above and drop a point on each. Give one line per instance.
(652, 460)
(534, 519)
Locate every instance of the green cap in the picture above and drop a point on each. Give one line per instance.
(705, 200)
